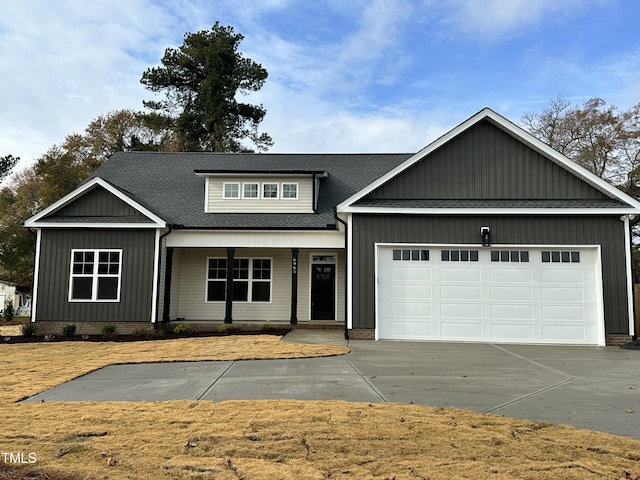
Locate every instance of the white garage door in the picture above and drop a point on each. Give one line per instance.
(518, 295)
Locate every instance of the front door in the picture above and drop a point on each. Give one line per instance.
(323, 291)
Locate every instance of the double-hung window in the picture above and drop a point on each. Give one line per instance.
(95, 275)
(251, 280)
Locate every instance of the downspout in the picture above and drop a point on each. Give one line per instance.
(34, 279)
(346, 263)
(169, 229)
(632, 222)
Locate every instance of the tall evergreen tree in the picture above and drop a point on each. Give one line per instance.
(201, 80)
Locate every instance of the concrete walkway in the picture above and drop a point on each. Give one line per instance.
(596, 388)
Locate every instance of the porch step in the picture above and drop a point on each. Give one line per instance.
(320, 325)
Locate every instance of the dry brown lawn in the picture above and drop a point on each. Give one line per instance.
(271, 439)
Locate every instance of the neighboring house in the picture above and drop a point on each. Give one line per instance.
(21, 301)
(8, 293)
(487, 234)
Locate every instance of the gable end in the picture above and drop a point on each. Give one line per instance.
(99, 203)
(485, 162)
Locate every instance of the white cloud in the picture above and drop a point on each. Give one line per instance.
(490, 20)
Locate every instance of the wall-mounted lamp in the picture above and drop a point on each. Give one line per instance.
(485, 233)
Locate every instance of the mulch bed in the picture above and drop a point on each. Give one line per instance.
(137, 338)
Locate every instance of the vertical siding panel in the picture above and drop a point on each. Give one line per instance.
(485, 162)
(136, 279)
(99, 202)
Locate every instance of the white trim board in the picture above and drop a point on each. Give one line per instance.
(333, 239)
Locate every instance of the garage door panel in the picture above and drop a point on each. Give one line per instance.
(411, 310)
(460, 330)
(466, 275)
(460, 310)
(510, 275)
(523, 332)
(408, 275)
(562, 276)
(461, 292)
(506, 311)
(408, 330)
(564, 333)
(411, 291)
(511, 293)
(496, 298)
(562, 294)
(563, 312)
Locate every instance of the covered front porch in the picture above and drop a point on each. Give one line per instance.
(252, 283)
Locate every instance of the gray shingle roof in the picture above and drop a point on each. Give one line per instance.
(167, 185)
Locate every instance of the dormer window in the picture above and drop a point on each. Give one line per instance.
(250, 190)
(231, 190)
(290, 191)
(269, 190)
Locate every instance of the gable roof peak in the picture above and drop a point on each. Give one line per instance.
(515, 131)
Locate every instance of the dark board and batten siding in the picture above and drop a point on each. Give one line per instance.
(136, 281)
(607, 231)
(100, 203)
(484, 162)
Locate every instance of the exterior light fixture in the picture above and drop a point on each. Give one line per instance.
(485, 233)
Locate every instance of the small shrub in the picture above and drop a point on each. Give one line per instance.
(266, 328)
(227, 328)
(109, 330)
(28, 329)
(182, 329)
(9, 312)
(69, 330)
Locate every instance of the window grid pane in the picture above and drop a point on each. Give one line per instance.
(250, 190)
(231, 190)
(95, 275)
(261, 269)
(289, 190)
(269, 190)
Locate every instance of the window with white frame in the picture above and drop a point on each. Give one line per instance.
(290, 191)
(251, 279)
(250, 190)
(269, 190)
(231, 190)
(95, 275)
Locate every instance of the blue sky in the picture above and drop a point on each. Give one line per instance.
(344, 75)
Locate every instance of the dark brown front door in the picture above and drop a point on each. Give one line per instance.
(323, 292)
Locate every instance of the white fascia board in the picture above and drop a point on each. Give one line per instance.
(70, 197)
(516, 131)
(494, 211)
(94, 225)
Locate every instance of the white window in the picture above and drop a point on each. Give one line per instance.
(269, 190)
(231, 190)
(290, 191)
(250, 190)
(251, 279)
(95, 275)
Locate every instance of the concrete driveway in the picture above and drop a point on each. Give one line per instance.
(597, 388)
